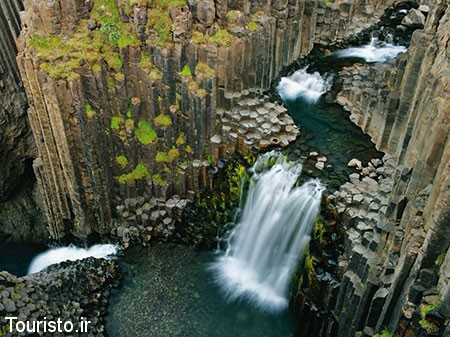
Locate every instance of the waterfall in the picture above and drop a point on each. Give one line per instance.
(71, 253)
(376, 51)
(266, 245)
(303, 85)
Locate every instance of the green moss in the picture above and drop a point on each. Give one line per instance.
(140, 172)
(319, 231)
(160, 21)
(222, 37)
(440, 259)
(122, 161)
(426, 308)
(163, 157)
(155, 75)
(186, 72)
(198, 37)
(89, 112)
(119, 77)
(146, 61)
(252, 26)
(430, 327)
(129, 123)
(181, 140)
(195, 89)
(116, 122)
(189, 149)
(145, 133)
(158, 180)
(384, 333)
(233, 14)
(174, 154)
(309, 267)
(128, 40)
(129, 113)
(163, 120)
(96, 68)
(204, 69)
(60, 56)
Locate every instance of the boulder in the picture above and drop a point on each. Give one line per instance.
(206, 12)
(354, 163)
(414, 18)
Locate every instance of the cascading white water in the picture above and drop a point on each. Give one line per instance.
(71, 253)
(267, 244)
(303, 85)
(376, 51)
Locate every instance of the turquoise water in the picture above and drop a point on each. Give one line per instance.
(169, 291)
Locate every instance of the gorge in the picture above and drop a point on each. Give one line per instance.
(144, 124)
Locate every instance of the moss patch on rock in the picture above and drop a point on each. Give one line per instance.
(145, 133)
(163, 120)
(139, 172)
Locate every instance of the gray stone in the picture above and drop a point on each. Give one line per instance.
(414, 18)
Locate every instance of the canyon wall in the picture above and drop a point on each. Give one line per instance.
(135, 100)
(20, 217)
(397, 262)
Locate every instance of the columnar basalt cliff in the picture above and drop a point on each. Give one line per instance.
(136, 99)
(20, 218)
(396, 266)
(134, 106)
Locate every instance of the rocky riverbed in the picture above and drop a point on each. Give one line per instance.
(181, 298)
(69, 291)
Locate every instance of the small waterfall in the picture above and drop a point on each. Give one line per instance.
(303, 85)
(267, 244)
(376, 51)
(71, 253)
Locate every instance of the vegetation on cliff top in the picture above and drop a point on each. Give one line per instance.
(160, 21)
(222, 37)
(61, 55)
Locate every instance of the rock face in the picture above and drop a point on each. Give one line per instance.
(20, 218)
(127, 100)
(395, 270)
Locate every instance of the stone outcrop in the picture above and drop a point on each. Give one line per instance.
(71, 291)
(20, 217)
(127, 99)
(395, 270)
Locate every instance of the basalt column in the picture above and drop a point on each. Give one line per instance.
(396, 270)
(20, 218)
(133, 100)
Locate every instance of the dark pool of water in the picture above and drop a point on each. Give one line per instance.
(327, 129)
(169, 291)
(15, 258)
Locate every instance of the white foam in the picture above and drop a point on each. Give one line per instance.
(376, 51)
(267, 244)
(71, 253)
(303, 85)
